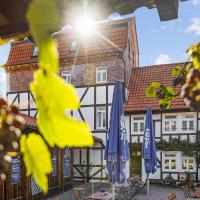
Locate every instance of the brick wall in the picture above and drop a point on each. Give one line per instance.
(85, 74)
(20, 80)
(82, 74)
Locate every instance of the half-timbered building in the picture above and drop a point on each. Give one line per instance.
(177, 122)
(92, 65)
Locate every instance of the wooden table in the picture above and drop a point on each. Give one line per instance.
(101, 196)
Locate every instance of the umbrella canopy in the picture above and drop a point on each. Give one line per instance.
(117, 151)
(149, 145)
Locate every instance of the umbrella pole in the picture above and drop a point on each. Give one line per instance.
(113, 191)
(147, 186)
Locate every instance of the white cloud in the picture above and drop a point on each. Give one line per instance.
(195, 26)
(163, 59)
(114, 16)
(196, 2)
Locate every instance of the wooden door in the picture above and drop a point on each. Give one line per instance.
(135, 163)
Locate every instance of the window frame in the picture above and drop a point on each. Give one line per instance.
(101, 70)
(187, 119)
(170, 119)
(170, 159)
(73, 46)
(138, 121)
(101, 110)
(67, 75)
(188, 158)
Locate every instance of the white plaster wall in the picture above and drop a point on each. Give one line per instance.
(110, 93)
(32, 103)
(23, 100)
(89, 97)
(88, 114)
(11, 97)
(101, 94)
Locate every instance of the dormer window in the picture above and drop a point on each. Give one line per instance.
(35, 52)
(66, 76)
(101, 74)
(73, 46)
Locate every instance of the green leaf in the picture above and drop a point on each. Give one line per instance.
(37, 159)
(43, 17)
(170, 91)
(155, 84)
(52, 102)
(165, 103)
(176, 71)
(150, 91)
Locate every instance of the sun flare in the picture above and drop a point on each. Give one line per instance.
(85, 25)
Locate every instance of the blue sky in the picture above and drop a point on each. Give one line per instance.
(159, 42)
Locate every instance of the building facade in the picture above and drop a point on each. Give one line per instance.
(174, 126)
(92, 65)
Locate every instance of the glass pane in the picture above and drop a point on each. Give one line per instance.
(191, 125)
(167, 126)
(104, 76)
(99, 119)
(135, 129)
(191, 163)
(173, 164)
(184, 164)
(98, 77)
(173, 126)
(166, 166)
(184, 125)
(141, 127)
(104, 119)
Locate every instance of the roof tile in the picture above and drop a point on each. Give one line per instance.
(141, 78)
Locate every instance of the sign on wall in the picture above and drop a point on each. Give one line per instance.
(15, 170)
(54, 165)
(67, 163)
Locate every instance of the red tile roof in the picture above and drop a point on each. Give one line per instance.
(30, 121)
(115, 32)
(141, 78)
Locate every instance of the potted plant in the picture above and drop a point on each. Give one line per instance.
(169, 180)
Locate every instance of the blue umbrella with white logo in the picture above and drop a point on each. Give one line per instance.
(117, 151)
(149, 147)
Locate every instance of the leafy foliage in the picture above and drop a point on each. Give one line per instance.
(162, 93)
(37, 158)
(187, 77)
(187, 147)
(53, 97)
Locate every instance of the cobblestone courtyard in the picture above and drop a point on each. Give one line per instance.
(157, 192)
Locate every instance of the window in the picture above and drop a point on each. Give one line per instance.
(73, 45)
(170, 123)
(101, 118)
(138, 125)
(188, 163)
(35, 52)
(188, 123)
(101, 74)
(170, 161)
(66, 76)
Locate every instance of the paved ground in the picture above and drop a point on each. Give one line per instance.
(156, 192)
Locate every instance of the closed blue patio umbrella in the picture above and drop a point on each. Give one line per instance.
(149, 147)
(116, 150)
